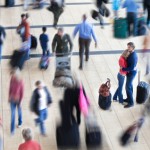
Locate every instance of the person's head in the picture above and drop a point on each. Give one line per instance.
(131, 47)
(125, 54)
(27, 134)
(24, 16)
(60, 31)
(84, 17)
(44, 29)
(39, 84)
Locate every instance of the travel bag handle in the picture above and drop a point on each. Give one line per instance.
(108, 83)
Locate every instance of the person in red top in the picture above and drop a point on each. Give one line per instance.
(29, 144)
(121, 76)
(16, 91)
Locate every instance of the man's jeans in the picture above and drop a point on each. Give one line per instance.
(13, 106)
(118, 92)
(42, 116)
(129, 87)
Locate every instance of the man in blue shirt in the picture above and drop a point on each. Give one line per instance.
(131, 69)
(131, 7)
(44, 41)
(85, 32)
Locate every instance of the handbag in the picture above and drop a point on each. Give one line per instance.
(104, 89)
(83, 102)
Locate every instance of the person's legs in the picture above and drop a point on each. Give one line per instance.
(19, 115)
(134, 24)
(0, 52)
(87, 46)
(148, 16)
(129, 23)
(120, 87)
(43, 117)
(129, 89)
(13, 108)
(81, 51)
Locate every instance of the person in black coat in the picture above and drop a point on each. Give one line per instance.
(146, 5)
(41, 99)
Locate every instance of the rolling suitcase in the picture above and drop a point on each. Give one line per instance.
(93, 133)
(142, 91)
(120, 28)
(9, 3)
(68, 138)
(33, 42)
(18, 58)
(44, 62)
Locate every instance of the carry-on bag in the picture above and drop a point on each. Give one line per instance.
(33, 42)
(142, 91)
(9, 3)
(44, 62)
(120, 28)
(68, 138)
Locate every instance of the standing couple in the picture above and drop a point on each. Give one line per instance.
(127, 63)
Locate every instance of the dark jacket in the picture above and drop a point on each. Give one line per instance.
(71, 101)
(2, 32)
(60, 45)
(34, 104)
(146, 4)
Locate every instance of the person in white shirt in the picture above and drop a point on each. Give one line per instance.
(40, 100)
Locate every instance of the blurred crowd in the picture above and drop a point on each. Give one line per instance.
(136, 23)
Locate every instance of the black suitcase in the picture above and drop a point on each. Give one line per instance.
(68, 138)
(104, 102)
(33, 42)
(93, 137)
(18, 58)
(142, 91)
(9, 3)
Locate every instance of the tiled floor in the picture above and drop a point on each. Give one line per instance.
(95, 72)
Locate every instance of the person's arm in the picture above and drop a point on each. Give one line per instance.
(94, 37)
(54, 44)
(70, 43)
(124, 4)
(21, 91)
(27, 28)
(132, 66)
(10, 88)
(49, 98)
(75, 31)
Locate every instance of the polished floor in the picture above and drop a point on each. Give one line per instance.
(103, 64)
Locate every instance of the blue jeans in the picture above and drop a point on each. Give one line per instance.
(118, 92)
(0, 52)
(129, 87)
(13, 106)
(42, 116)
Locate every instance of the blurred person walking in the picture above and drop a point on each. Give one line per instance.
(2, 37)
(41, 99)
(60, 43)
(131, 73)
(16, 91)
(131, 8)
(146, 5)
(29, 144)
(56, 8)
(121, 77)
(85, 32)
(24, 30)
(44, 39)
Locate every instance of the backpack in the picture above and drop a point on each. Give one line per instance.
(104, 89)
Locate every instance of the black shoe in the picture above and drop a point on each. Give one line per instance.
(125, 101)
(128, 106)
(86, 59)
